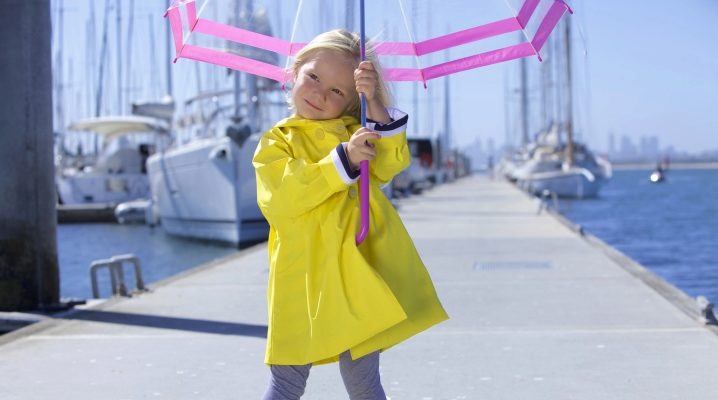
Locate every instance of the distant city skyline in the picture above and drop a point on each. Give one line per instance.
(649, 149)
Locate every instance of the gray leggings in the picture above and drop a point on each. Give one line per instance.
(360, 376)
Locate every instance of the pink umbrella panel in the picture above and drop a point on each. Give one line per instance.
(193, 23)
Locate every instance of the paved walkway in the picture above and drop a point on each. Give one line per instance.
(537, 312)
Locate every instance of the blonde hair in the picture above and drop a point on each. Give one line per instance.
(346, 42)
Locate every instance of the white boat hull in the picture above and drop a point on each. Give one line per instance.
(546, 170)
(568, 184)
(83, 188)
(206, 190)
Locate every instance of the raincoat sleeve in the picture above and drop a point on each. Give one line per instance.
(288, 187)
(392, 150)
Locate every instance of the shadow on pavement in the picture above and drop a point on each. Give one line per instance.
(183, 324)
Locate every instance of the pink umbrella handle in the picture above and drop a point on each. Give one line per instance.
(364, 196)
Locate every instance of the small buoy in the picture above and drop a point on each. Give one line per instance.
(656, 177)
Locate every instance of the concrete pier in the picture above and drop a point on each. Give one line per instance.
(537, 312)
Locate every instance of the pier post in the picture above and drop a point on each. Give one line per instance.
(29, 276)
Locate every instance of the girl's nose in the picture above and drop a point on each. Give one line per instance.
(323, 95)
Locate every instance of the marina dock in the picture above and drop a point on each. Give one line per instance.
(81, 213)
(538, 311)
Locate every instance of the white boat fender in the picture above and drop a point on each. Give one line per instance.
(219, 153)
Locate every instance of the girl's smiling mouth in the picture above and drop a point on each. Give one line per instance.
(312, 105)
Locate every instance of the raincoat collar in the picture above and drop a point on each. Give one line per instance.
(296, 121)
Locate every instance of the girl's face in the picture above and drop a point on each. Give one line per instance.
(324, 85)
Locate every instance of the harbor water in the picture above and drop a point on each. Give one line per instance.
(670, 227)
(161, 255)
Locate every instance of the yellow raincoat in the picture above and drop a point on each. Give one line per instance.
(325, 294)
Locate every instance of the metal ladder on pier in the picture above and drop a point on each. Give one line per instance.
(115, 265)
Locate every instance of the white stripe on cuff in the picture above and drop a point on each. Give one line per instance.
(340, 168)
(396, 126)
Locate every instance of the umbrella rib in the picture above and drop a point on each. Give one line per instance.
(193, 24)
(413, 41)
(291, 38)
(517, 16)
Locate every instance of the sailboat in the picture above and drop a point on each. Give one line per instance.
(205, 188)
(100, 161)
(566, 168)
(117, 174)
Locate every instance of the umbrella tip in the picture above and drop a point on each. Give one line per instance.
(570, 10)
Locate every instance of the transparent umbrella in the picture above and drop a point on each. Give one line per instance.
(476, 35)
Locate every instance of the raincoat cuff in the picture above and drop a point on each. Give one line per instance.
(397, 124)
(341, 163)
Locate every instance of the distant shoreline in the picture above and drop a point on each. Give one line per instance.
(673, 165)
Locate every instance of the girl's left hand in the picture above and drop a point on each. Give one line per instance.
(366, 80)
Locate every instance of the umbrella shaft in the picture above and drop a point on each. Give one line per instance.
(364, 165)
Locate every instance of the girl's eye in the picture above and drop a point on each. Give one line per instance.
(313, 77)
(337, 91)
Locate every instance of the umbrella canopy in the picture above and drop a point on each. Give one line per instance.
(542, 15)
(535, 19)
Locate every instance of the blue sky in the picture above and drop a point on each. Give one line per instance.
(650, 67)
(654, 69)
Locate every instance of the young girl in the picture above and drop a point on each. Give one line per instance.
(330, 299)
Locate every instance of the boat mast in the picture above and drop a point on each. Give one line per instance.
(546, 88)
(569, 95)
(415, 86)
(237, 75)
(349, 17)
(524, 101)
(445, 137)
(59, 70)
(103, 58)
(429, 98)
(119, 56)
(447, 117)
(168, 39)
(128, 74)
(153, 84)
(252, 92)
(558, 84)
(215, 43)
(90, 57)
(507, 99)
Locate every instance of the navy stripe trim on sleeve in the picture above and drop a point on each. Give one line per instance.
(345, 162)
(394, 124)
